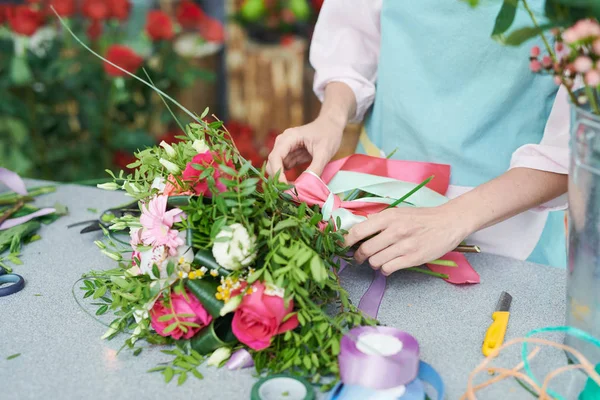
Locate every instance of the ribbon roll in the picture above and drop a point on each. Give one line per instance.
(381, 358)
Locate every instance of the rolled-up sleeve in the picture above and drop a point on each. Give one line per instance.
(552, 153)
(345, 48)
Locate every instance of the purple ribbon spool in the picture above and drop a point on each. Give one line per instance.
(375, 371)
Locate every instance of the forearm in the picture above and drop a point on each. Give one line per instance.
(512, 193)
(339, 104)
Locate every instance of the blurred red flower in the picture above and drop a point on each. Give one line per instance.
(317, 4)
(124, 57)
(189, 14)
(25, 21)
(159, 26)
(212, 30)
(5, 12)
(123, 158)
(64, 8)
(95, 29)
(119, 9)
(95, 9)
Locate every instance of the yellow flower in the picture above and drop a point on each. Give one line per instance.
(214, 272)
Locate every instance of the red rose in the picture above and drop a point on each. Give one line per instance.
(25, 21)
(5, 13)
(260, 317)
(124, 57)
(64, 8)
(189, 15)
(159, 26)
(180, 304)
(95, 9)
(192, 176)
(212, 30)
(95, 29)
(119, 9)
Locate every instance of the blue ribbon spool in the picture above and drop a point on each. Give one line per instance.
(415, 390)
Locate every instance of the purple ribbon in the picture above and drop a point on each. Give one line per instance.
(239, 360)
(375, 371)
(13, 181)
(371, 300)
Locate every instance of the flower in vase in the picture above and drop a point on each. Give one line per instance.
(260, 317)
(157, 223)
(189, 15)
(235, 247)
(24, 20)
(159, 26)
(64, 8)
(179, 304)
(119, 9)
(95, 9)
(191, 175)
(124, 57)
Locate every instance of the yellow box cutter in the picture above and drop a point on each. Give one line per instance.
(494, 337)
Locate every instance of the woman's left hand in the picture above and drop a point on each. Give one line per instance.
(408, 237)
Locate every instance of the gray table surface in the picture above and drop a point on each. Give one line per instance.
(63, 357)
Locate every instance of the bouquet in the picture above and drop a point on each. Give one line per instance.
(222, 259)
(64, 117)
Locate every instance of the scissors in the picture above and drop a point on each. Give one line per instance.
(107, 216)
(18, 283)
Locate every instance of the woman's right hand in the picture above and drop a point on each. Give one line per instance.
(316, 142)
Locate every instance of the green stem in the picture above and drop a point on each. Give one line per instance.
(427, 272)
(444, 263)
(407, 195)
(535, 23)
(592, 96)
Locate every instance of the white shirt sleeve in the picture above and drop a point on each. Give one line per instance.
(552, 153)
(345, 48)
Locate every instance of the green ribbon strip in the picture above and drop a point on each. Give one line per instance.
(591, 390)
(204, 290)
(218, 334)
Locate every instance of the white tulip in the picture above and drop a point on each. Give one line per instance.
(168, 148)
(171, 167)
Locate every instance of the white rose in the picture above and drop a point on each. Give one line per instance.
(235, 249)
(200, 146)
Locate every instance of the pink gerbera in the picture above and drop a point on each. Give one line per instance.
(157, 223)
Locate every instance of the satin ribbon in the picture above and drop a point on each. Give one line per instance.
(17, 185)
(378, 377)
(390, 180)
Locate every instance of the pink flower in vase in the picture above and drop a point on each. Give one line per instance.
(157, 223)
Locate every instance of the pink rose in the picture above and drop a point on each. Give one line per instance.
(259, 317)
(192, 175)
(179, 305)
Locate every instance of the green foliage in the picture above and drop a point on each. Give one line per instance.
(72, 119)
(185, 364)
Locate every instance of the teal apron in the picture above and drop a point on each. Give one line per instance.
(448, 93)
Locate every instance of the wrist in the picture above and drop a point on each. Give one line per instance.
(464, 215)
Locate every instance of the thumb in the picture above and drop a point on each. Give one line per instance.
(319, 161)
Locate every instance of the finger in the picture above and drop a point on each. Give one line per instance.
(374, 246)
(388, 254)
(398, 263)
(371, 226)
(319, 160)
(283, 146)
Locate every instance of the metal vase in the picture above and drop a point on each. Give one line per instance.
(583, 284)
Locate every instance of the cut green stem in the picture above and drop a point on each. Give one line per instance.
(407, 195)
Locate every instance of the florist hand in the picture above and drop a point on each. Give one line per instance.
(407, 237)
(317, 141)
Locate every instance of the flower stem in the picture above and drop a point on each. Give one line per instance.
(592, 96)
(535, 23)
(427, 272)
